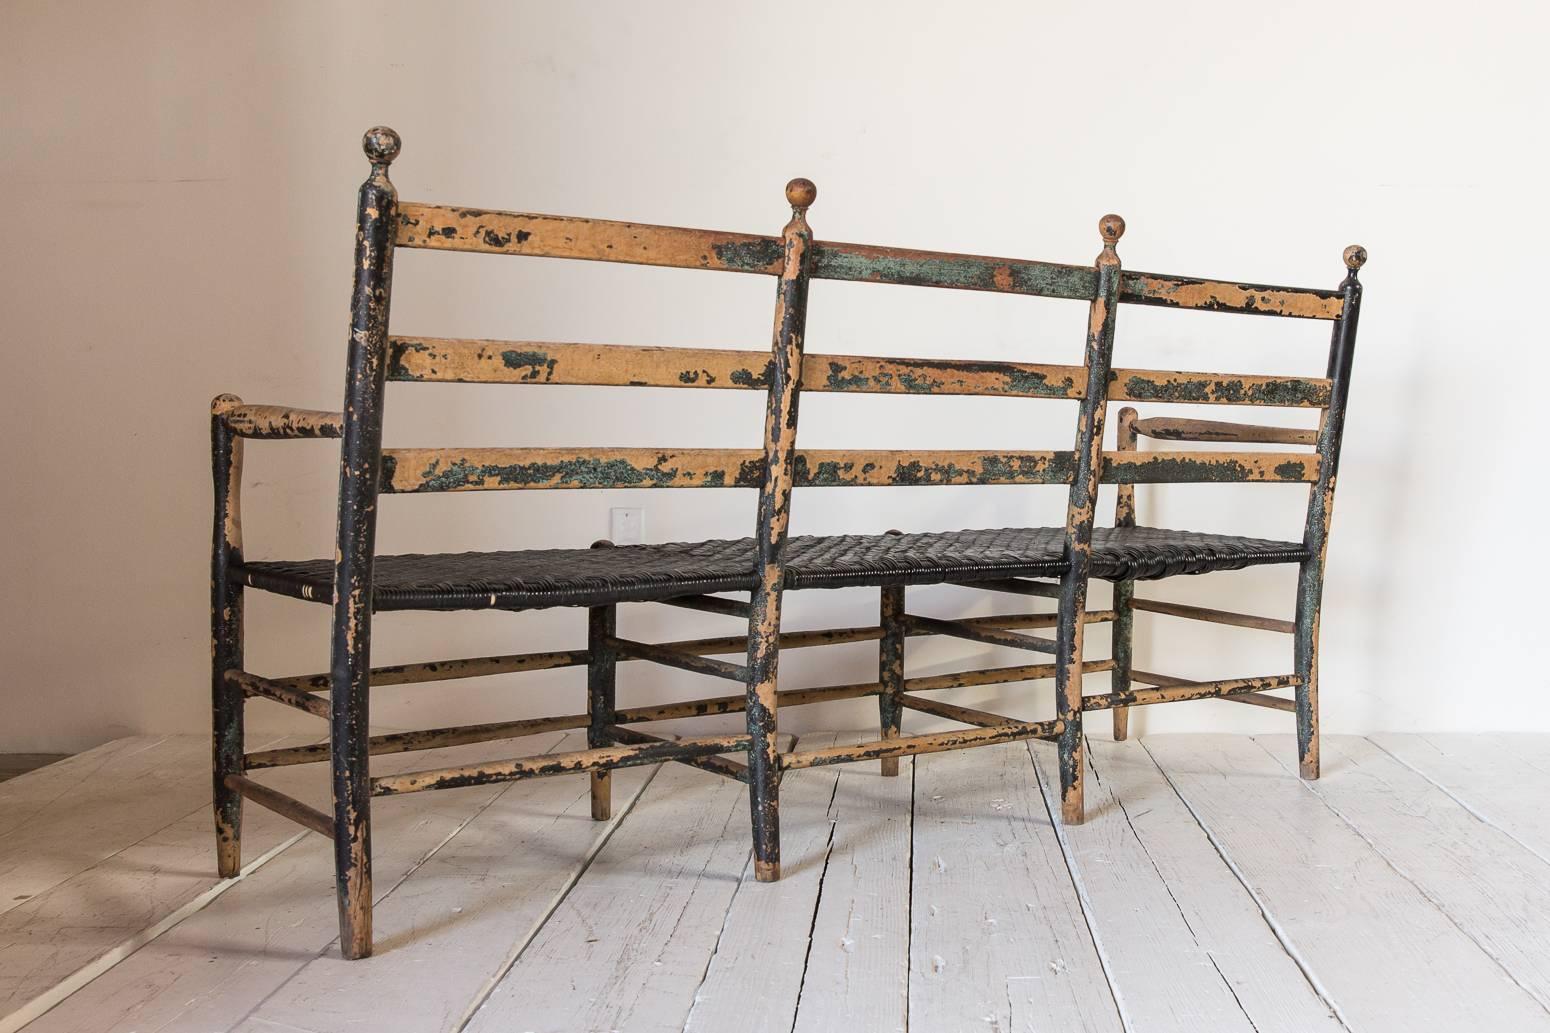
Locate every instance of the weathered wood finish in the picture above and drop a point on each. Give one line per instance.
(226, 638)
(1188, 690)
(1081, 509)
(421, 470)
(279, 422)
(478, 361)
(911, 745)
(1202, 613)
(954, 712)
(355, 548)
(1123, 647)
(555, 764)
(1171, 428)
(253, 685)
(1321, 505)
(990, 636)
(778, 479)
(1221, 296)
(278, 802)
(890, 668)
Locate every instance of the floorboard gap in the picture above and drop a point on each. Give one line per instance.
(812, 926)
(1068, 855)
(1270, 920)
(1397, 870)
(559, 898)
(1484, 819)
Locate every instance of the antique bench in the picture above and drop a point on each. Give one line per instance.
(1050, 562)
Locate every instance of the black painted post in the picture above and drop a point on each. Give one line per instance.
(226, 635)
(359, 476)
(780, 433)
(890, 668)
(602, 668)
(1321, 504)
(1080, 511)
(1124, 626)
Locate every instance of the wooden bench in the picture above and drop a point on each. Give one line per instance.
(1049, 562)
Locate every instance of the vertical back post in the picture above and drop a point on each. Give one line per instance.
(780, 432)
(1124, 591)
(359, 475)
(1321, 504)
(1080, 511)
(227, 703)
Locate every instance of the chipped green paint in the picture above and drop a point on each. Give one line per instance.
(568, 473)
(961, 272)
(751, 255)
(1292, 470)
(1230, 390)
(945, 376)
(1176, 470)
(748, 378)
(837, 380)
(540, 364)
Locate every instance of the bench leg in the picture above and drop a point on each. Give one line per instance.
(352, 799)
(890, 669)
(226, 642)
(1306, 657)
(601, 679)
(763, 759)
(1124, 638)
(228, 740)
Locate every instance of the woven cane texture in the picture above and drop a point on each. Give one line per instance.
(635, 573)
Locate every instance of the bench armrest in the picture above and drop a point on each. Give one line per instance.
(276, 421)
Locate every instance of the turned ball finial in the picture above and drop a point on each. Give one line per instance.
(801, 193)
(381, 145)
(1355, 257)
(1112, 227)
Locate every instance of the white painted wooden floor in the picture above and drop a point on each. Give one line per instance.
(1209, 890)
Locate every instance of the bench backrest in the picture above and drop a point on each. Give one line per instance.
(794, 259)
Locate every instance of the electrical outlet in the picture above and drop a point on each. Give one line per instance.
(626, 526)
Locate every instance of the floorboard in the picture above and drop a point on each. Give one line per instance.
(858, 957)
(1184, 945)
(220, 964)
(1503, 779)
(454, 925)
(1382, 953)
(769, 927)
(55, 934)
(628, 946)
(1494, 890)
(998, 942)
(1209, 890)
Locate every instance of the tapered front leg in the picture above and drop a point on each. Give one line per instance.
(890, 669)
(226, 637)
(602, 665)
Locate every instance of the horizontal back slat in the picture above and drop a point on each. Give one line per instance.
(484, 469)
(442, 360)
(1222, 296)
(448, 228)
(1155, 385)
(557, 236)
(869, 264)
(533, 362)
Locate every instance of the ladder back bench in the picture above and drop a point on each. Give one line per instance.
(1051, 562)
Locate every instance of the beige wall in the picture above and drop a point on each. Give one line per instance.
(179, 178)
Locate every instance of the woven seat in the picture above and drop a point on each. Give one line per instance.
(589, 577)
